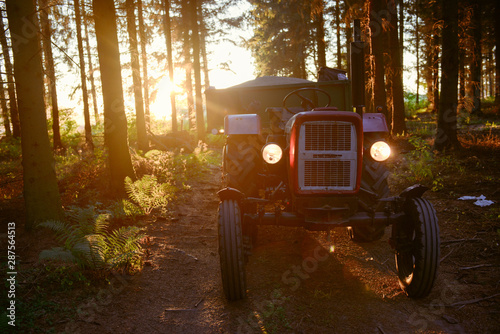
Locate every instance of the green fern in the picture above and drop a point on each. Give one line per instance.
(148, 194)
(87, 241)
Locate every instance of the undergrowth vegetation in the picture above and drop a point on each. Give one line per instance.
(87, 241)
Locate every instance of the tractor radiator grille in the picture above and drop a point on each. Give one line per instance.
(327, 156)
(318, 173)
(328, 136)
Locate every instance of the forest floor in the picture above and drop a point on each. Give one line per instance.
(339, 286)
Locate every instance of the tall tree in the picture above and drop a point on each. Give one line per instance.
(115, 120)
(200, 121)
(144, 58)
(396, 77)
(435, 49)
(83, 78)
(417, 55)
(377, 42)
(170, 62)
(338, 34)
(282, 37)
(318, 7)
(50, 72)
(497, 56)
(142, 137)
(188, 64)
(446, 135)
(5, 111)
(476, 57)
(91, 66)
(41, 194)
(11, 89)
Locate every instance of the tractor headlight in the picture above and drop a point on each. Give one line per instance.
(380, 151)
(272, 153)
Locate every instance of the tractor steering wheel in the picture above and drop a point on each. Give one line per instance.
(306, 103)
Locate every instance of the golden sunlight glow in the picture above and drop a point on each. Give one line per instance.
(161, 107)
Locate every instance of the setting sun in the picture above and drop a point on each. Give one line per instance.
(161, 107)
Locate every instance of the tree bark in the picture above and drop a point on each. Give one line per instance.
(417, 54)
(446, 136)
(398, 106)
(50, 72)
(338, 30)
(115, 120)
(377, 39)
(497, 56)
(5, 111)
(435, 59)
(41, 193)
(200, 119)
(91, 67)
(144, 57)
(185, 12)
(11, 89)
(142, 138)
(318, 9)
(170, 63)
(83, 78)
(476, 61)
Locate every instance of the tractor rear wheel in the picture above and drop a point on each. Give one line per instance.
(231, 253)
(417, 248)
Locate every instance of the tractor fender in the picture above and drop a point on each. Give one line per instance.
(243, 124)
(374, 122)
(230, 193)
(414, 191)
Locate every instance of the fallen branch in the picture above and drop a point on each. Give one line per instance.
(473, 301)
(477, 266)
(458, 240)
(444, 257)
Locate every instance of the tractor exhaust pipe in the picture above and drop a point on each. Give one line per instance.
(358, 70)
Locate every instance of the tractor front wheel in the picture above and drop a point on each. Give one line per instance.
(417, 248)
(232, 258)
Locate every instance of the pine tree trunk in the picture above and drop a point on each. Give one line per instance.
(115, 120)
(170, 63)
(497, 56)
(41, 193)
(446, 135)
(5, 111)
(11, 88)
(142, 138)
(398, 106)
(83, 78)
(417, 53)
(435, 60)
(144, 57)
(203, 41)
(200, 119)
(377, 39)
(91, 67)
(348, 38)
(50, 72)
(476, 61)
(428, 75)
(188, 64)
(320, 33)
(338, 35)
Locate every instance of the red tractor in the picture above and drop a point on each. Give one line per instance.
(320, 168)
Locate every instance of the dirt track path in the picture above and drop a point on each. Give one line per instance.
(297, 283)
